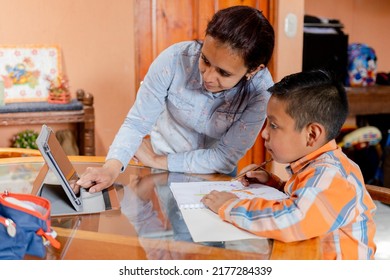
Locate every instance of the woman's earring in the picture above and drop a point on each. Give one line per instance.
(248, 77)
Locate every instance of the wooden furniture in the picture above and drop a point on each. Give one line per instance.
(84, 119)
(146, 227)
(18, 152)
(371, 106)
(371, 100)
(295, 249)
(381, 194)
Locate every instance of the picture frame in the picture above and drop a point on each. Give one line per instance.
(25, 71)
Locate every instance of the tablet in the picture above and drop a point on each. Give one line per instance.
(64, 200)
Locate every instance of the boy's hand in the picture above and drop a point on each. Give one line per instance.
(252, 177)
(215, 199)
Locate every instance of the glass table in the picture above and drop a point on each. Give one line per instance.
(148, 225)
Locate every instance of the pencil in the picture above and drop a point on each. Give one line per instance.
(252, 169)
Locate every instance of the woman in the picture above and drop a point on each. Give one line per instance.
(203, 103)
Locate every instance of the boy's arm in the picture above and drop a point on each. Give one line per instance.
(324, 201)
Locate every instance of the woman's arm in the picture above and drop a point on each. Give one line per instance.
(146, 109)
(224, 154)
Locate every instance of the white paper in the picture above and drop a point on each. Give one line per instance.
(206, 226)
(203, 224)
(189, 194)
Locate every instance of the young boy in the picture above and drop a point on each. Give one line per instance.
(327, 194)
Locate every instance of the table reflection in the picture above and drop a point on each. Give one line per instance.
(149, 224)
(150, 207)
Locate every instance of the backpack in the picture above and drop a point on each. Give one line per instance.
(362, 66)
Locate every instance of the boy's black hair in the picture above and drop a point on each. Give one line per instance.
(314, 96)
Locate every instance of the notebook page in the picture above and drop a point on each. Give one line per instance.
(206, 226)
(188, 195)
(203, 224)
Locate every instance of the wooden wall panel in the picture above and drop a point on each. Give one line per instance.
(144, 53)
(173, 22)
(222, 4)
(160, 23)
(205, 11)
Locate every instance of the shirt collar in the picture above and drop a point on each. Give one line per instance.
(303, 162)
(195, 79)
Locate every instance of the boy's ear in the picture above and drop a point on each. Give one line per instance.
(315, 133)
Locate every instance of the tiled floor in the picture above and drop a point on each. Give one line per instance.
(382, 238)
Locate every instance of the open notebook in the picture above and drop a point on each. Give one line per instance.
(64, 201)
(203, 224)
(189, 195)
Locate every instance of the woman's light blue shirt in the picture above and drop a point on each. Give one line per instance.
(196, 129)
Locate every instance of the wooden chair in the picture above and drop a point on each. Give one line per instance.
(381, 194)
(18, 152)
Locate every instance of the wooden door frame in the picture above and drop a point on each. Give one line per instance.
(146, 50)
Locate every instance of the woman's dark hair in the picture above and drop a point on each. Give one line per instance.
(247, 32)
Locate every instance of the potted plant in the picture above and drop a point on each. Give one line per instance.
(25, 139)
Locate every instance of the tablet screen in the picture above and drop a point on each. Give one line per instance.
(58, 162)
(62, 160)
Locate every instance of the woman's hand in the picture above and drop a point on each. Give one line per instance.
(99, 178)
(148, 157)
